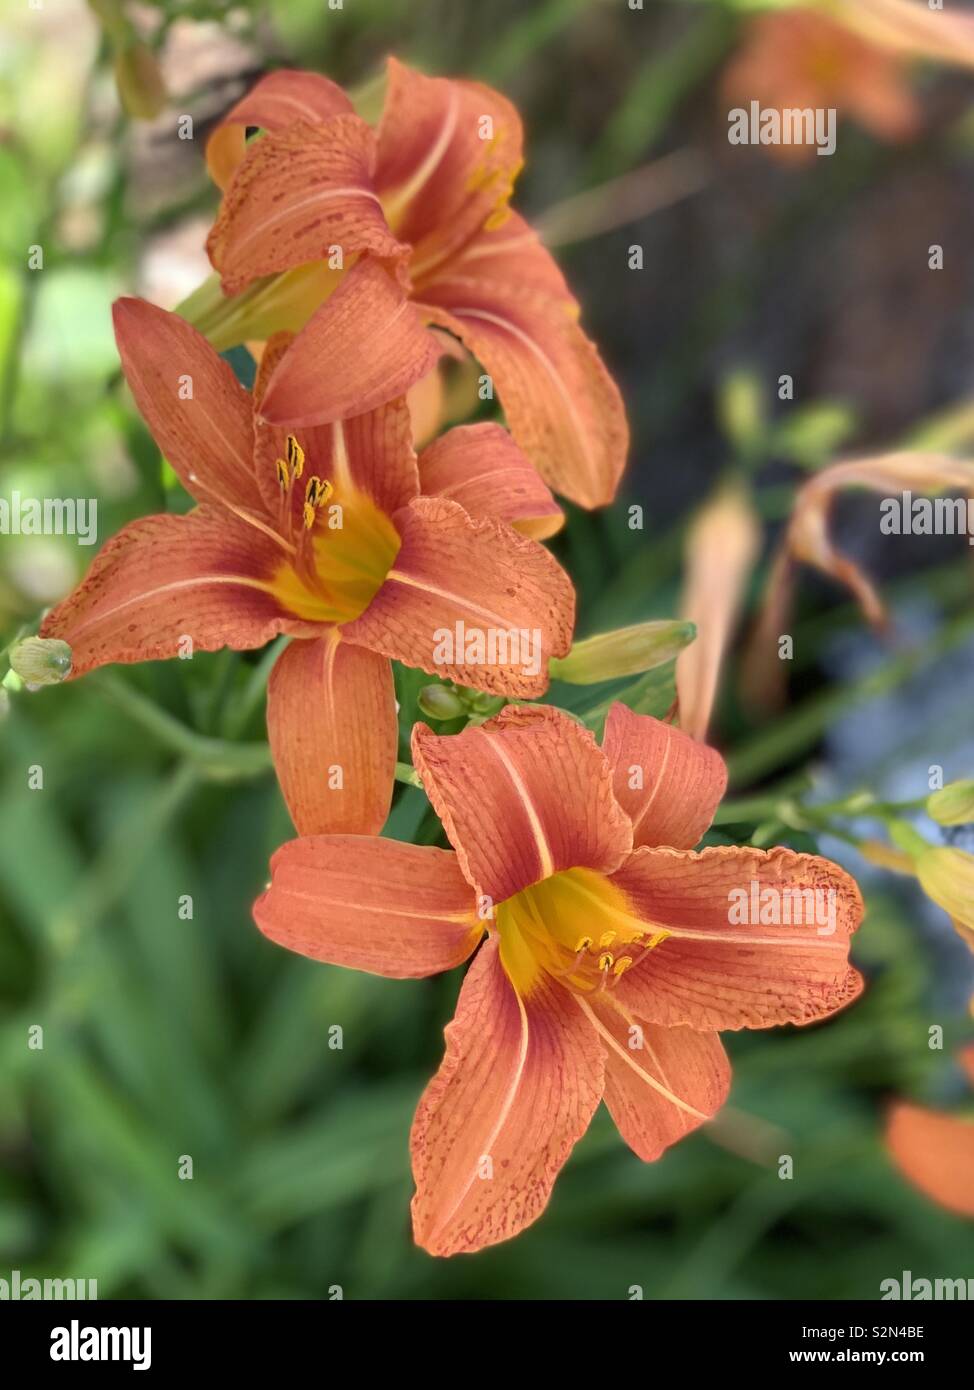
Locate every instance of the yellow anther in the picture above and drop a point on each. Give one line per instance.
(623, 963)
(605, 961)
(582, 944)
(656, 940)
(607, 938)
(283, 476)
(295, 456)
(316, 494)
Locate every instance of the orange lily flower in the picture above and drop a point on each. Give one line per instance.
(935, 1150)
(804, 58)
(611, 957)
(337, 537)
(418, 209)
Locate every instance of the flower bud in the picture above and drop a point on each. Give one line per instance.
(625, 652)
(440, 702)
(141, 88)
(41, 660)
(953, 804)
(947, 877)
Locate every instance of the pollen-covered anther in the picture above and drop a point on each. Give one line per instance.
(582, 944)
(606, 961)
(607, 938)
(622, 965)
(316, 494)
(283, 475)
(295, 456)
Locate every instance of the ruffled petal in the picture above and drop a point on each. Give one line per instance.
(387, 908)
(366, 345)
(563, 407)
(517, 1088)
(277, 101)
(199, 414)
(333, 731)
(167, 581)
(449, 152)
(669, 785)
(718, 967)
(482, 468)
(660, 1083)
(521, 797)
(298, 193)
(472, 601)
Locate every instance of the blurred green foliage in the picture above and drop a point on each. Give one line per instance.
(166, 1037)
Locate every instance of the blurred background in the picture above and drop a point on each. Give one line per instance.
(167, 1035)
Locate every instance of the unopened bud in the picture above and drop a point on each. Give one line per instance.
(140, 86)
(947, 876)
(953, 804)
(625, 652)
(440, 702)
(41, 660)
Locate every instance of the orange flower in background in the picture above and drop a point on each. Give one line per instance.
(935, 1150)
(802, 58)
(417, 212)
(611, 957)
(324, 536)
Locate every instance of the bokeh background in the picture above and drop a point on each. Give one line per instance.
(166, 1037)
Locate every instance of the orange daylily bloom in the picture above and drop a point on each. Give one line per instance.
(418, 208)
(336, 536)
(802, 58)
(611, 957)
(935, 1150)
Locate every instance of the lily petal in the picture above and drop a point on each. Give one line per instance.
(711, 972)
(507, 593)
(164, 579)
(387, 908)
(449, 152)
(199, 414)
(333, 732)
(563, 407)
(298, 193)
(523, 796)
(278, 100)
(936, 1152)
(678, 782)
(364, 346)
(482, 468)
(660, 1083)
(517, 1088)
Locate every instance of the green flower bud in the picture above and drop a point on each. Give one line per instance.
(41, 660)
(440, 702)
(953, 804)
(625, 652)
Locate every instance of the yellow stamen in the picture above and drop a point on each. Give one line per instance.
(582, 944)
(623, 963)
(295, 456)
(607, 938)
(605, 961)
(283, 477)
